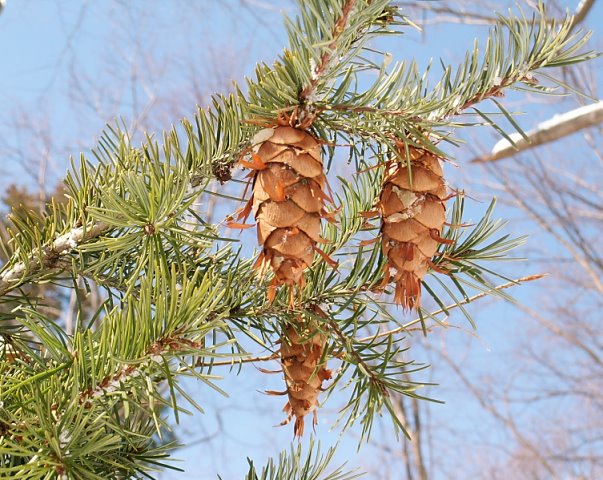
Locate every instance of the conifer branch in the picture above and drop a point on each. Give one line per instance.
(172, 345)
(236, 361)
(45, 259)
(516, 50)
(326, 58)
(294, 464)
(172, 284)
(355, 357)
(454, 305)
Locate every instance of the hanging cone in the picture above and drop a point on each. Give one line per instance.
(288, 200)
(413, 213)
(301, 351)
(288, 204)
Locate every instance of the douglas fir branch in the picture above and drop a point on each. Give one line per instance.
(174, 288)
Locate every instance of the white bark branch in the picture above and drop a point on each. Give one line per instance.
(557, 127)
(582, 11)
(47, 257)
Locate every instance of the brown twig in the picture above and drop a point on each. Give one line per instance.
(326, 57)
(153, 353)
(404, 327)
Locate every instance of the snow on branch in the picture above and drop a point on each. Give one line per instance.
(45, 258)
(557, 127)
(582, 11)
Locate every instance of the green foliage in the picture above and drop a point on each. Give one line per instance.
(113, 382)
(178, 299)
(292, 465)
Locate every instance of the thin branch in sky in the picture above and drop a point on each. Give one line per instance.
(582, 10)
(557, 127)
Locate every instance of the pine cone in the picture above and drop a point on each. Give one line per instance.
(288, 204)
(300, 359)
(413, 213)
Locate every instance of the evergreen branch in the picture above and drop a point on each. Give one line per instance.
(130, 225)
(46, 258)
(111, 200)
(551, 53)
(511, 59)
(368, 110)
(209, 144)
(340, 25)
(237, 361)
(355, 357)
(36, 378)
(171, 345)
(324, 42)
(516, 50)
(293, 465)
(115, 369)
(362, 272)
(376, 373)
(454, 305)
(215, 138)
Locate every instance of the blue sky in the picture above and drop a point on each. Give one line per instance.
(70, 67)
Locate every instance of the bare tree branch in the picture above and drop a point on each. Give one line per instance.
(557, 127)
(582, 11)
